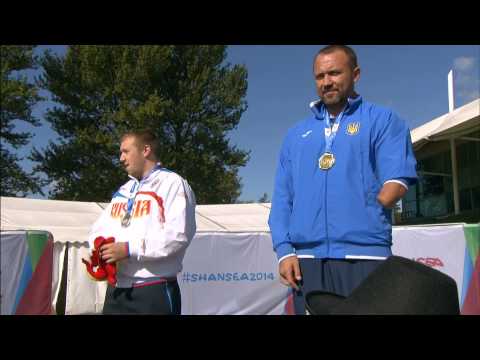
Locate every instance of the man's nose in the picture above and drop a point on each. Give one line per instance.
(327, 81)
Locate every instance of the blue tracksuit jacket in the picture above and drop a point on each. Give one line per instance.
(335, 213)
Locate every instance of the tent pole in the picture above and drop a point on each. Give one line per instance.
(453, 155)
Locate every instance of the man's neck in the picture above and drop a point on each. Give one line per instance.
(336, 109)
(148, 168)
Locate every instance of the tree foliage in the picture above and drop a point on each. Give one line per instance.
(186, 94)
(18, 96)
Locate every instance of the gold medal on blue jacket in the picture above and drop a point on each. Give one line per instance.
(326, 161)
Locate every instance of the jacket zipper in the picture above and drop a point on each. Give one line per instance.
(326, 211)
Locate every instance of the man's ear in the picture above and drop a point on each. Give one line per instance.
(356, 74)
(147, 150)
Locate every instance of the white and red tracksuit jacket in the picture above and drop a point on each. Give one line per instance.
(161, 227)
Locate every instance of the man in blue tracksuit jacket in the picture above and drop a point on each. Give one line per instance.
(339, 174)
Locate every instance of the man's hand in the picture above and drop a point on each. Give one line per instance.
(114, 252)
(390, 193)
(289, 270)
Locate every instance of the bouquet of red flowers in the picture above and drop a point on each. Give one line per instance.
(99, 269)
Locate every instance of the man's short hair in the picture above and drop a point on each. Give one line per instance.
(352, 57)
(144, 137)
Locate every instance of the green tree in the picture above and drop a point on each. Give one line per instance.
(186, 94)
(17, 98)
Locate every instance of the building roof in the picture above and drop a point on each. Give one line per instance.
(460, 122)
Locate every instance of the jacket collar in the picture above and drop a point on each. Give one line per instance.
(318, 107)
(145, 179)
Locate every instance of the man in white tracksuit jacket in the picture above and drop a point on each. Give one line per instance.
(152, 218)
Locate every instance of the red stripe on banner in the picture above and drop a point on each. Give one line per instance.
(471, 304)
(37, 298)
(289, 307)
(159, 202)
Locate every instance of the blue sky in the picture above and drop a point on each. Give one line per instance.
(412, 80)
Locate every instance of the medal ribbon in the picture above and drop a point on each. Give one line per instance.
(131, 199)
(331, 129)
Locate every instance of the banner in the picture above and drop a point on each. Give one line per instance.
(237, 273)
(26, 272)
(452, 249)
(441, 247)
(231, 273)
(471, 276)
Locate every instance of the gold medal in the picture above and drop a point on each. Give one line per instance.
(326, 161)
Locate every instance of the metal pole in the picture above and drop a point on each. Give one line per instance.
(451, 94)
(453, 150)
(453, 155)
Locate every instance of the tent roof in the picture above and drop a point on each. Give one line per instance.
(70, 221)
(459, 122)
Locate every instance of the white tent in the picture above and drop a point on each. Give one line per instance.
(70, 221)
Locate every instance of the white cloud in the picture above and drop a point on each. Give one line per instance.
(466, 79)
(462, 79)
(464, 63)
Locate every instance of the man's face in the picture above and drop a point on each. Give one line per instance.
(334, 77)
(132, 158)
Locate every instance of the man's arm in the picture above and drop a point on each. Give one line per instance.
(279, 220)
(390, 193)
(395, 165)
(97, 228)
